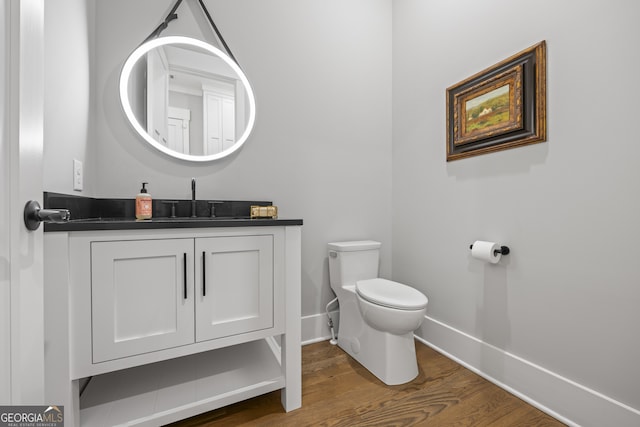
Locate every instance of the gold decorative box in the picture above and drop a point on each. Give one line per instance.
(264, 212)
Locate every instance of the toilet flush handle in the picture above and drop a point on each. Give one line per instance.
(333, 254)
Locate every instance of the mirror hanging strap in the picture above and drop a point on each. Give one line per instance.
(160, 28)
(218, 34)
(173, 15)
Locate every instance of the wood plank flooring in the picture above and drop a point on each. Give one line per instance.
(337, 391)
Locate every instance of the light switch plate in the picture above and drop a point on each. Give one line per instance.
(77, 175)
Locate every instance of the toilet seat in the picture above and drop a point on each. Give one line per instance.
(391, 294)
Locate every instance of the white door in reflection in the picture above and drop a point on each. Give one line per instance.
(179, 125)
(157, 95)
(219, 116)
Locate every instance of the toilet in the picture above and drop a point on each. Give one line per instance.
(377, 316)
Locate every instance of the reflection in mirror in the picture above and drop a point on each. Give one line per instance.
(187, 98)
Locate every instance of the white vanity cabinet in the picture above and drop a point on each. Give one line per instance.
(143, 297)
(170, 323)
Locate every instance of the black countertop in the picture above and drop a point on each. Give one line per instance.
(119, 214)
(89, 224)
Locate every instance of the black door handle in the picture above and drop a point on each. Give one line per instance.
(204, 272)
(33, 215)
(184, 272)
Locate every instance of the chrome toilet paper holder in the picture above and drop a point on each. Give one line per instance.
(504, 250)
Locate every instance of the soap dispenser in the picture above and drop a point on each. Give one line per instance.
(143, 203)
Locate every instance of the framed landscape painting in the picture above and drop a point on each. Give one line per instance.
(501, 107)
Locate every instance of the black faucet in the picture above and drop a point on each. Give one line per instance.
(193, 198)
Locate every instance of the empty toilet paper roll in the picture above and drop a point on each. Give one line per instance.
(486, 251)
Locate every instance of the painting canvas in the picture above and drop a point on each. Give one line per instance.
(487, 110)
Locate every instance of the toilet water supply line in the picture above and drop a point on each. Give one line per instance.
(333, 339)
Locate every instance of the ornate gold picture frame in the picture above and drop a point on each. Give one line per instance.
(499, 108)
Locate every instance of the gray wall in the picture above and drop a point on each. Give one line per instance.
(566, 298)
(321, 146)
(67, 96)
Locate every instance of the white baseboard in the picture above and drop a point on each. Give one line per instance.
(315, 327)
(560, 397)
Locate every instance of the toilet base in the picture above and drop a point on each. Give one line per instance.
(400, 350)
(390, 357)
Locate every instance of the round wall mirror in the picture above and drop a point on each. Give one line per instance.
(187, 98)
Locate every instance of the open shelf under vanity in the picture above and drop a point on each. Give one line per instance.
(168, 391)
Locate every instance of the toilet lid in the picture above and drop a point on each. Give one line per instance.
(391, 294)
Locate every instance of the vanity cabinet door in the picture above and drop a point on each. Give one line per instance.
(141, 296)
(234, 285)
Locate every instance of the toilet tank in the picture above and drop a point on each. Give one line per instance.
(352, 261)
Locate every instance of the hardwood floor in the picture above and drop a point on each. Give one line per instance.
(337, 391)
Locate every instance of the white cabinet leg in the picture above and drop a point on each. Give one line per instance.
(291, 347)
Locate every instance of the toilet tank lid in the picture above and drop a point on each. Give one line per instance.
(360, 245)
(391, 294)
